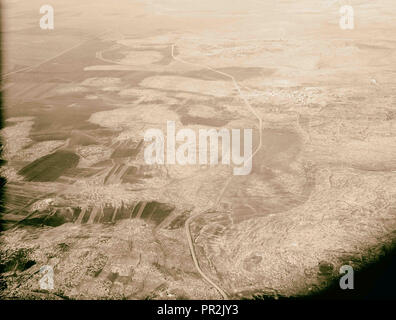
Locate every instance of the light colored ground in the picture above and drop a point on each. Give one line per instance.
(322, 189)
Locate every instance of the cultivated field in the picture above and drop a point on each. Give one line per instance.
(81, 198)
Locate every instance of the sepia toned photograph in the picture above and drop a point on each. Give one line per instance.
(198, 150)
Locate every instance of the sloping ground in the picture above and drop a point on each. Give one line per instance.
(321, 193)
(125, 260)
(50, 167)
(349, 218)
(151, 212)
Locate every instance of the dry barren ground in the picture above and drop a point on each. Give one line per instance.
(80, 197)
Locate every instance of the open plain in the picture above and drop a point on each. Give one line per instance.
(78, 99)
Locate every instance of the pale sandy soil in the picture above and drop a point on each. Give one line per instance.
(322, 189)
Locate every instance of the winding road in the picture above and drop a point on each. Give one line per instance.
(192, 217)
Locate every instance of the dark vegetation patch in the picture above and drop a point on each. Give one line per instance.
(63, 247)
(124, 151)
(18, 260)
(81, 172)
(50, 167)
(179, 221)
(156, 212)
(52, 218)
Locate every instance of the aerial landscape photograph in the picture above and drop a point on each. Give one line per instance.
(195, 150)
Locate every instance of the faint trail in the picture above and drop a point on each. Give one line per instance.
(188, 221)
(99, 55)
(237, 87)
(192, 251)
(30, 68)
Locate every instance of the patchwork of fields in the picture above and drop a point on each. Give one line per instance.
(81, 198)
